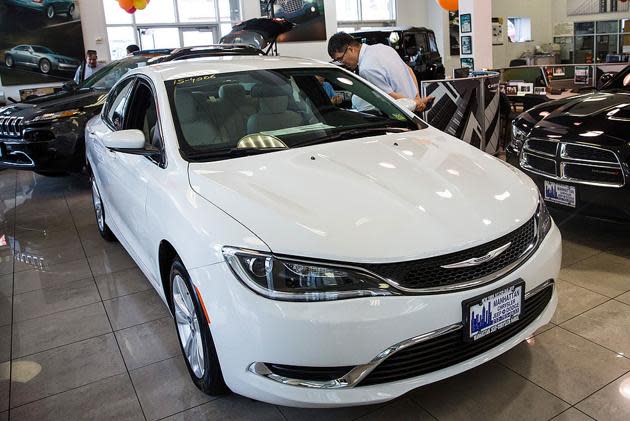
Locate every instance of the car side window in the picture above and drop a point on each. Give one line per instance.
(143, 115)
(118, 100)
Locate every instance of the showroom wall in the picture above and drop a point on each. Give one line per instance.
(559, 14)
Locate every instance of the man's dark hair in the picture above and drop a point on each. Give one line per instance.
(338, 43)
(132, 48)
(90, 53)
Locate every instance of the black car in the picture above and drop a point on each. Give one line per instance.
(46, 134)
(577, 150)
(416, 46)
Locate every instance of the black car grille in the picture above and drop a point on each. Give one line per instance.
(11, 126)
(291, 6)
(450, 349)
(573, 162)
(429, 273)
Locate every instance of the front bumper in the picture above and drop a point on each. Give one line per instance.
(248, 328)
(67, 67)
(612, 203)
(40, 156)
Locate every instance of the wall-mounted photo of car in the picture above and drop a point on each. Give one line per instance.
(296, 11)
(50, 8)
(40, 58)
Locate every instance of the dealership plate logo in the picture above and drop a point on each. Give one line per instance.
(476, 261)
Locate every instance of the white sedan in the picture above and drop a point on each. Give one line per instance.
(311, 254)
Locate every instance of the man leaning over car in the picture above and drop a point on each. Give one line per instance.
(379, 64)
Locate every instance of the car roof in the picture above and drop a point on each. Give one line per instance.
(209, 65)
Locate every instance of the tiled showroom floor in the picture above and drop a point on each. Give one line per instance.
(83, 336)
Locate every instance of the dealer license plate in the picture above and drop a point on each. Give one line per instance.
(560, 193)
(496, 310)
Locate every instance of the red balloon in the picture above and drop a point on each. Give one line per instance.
(450, 5)
(131, 10)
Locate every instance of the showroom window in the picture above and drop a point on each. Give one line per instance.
(169, 24)
(353, 15)
(520, 29)
(596, 42)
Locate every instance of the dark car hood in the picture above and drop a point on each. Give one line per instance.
(600, 118)
(259, 32)
(61, 101)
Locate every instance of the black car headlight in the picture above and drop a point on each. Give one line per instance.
(518, 138)
(544, 219)
(287, 279)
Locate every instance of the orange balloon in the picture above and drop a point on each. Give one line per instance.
(125, 4)
(450, 5)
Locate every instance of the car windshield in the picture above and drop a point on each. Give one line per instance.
(43, 50)
(225, 115)
(106, 77)
(620, 81)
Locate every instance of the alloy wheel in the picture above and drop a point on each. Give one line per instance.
(44, 66)
(8, 61)
(188, 326)
(98, 207)
(50, 12)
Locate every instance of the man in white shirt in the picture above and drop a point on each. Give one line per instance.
(379, 64)
(91, 66)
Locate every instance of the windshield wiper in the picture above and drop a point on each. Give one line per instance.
(229, 153)
(350, 133)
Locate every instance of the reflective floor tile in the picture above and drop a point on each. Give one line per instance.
(4, 416)
(51, 300)
(573, 300)
(125, 282)
(42, 259)
(402, 409)
(488, 392)
(624, 298)
(149, 343)
(108, 262)
(161, 398)
(109, 399)
(233, 408)
(611, 403)
(5, 368)
(135, 309)
(572, 414)
(565, 364)
(42, 240)
(94, 244)
(607, 325)
(37, 221)
(544, 328)
(36, 335)
(605, 274)
(6, 292)
(83, 216)
(574, 252)
(6, 263)
(52, 276)
(336, 414)
(60, 369)
(5, 343)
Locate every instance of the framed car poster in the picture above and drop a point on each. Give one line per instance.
(468, 63)
(465, 22)
(466, 45)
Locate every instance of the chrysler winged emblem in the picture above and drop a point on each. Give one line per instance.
(476, 261)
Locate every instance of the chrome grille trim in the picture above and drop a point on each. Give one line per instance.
(563, 157)
(11, 126)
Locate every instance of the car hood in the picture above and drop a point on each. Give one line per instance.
(62, 57)
(368, 200)
(600, 118)
(61, 101)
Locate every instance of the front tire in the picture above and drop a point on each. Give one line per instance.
(8, 61)
(70, 11)
(99, 211)
(45, 66)
(50, 12)
(194, 335)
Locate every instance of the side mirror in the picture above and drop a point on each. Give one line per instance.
(125, 141)
(604, 79)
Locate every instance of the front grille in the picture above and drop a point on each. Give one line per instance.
(450, 349)
(571, 162)
(11, 126)
(321, 374)
(291, 6)
(588, 153)
(429, 273)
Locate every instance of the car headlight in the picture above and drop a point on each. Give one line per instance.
(54, 116)
(544, 219)
(518, 137)
(287, 279)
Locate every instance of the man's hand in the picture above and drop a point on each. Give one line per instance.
(337, 99)
(423, 102)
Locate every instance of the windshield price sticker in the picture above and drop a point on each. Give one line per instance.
(494, 312)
